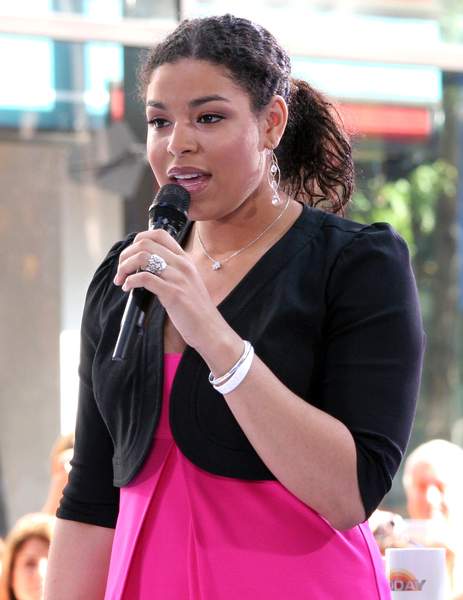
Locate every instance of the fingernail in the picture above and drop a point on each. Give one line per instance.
(125, 287)
(115, 280)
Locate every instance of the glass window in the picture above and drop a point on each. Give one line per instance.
(61, 85)
(97, 9)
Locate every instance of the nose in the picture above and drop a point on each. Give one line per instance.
(181, 140)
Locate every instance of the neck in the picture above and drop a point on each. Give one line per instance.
(237, 229)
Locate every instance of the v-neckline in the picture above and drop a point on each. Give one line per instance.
(260, 265)
(299, 234)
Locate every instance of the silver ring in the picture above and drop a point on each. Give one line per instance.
(156, 264)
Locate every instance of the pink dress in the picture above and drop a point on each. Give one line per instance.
(186, 534)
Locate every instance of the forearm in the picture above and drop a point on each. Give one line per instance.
(78, 561)
(310, 452)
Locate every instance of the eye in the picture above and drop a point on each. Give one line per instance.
(31, 563)
(158, 123)
(210, 118)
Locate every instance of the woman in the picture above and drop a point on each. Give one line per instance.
(270, 401)
(25, 558)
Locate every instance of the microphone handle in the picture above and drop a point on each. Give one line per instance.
(138, 303)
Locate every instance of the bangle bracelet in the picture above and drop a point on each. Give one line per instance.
(238, 376)
(223, 378)
(232, 378)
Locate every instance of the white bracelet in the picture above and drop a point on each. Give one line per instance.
(237, 376)
(232, 378)
(223, 378)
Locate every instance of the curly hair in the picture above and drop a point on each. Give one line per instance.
(314, 154)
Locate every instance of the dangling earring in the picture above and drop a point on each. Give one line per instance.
(274, 176)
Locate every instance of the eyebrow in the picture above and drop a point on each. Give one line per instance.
(192, 103)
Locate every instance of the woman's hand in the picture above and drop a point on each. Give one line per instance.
(179, 286)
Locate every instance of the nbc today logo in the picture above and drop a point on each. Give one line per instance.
(404, 581)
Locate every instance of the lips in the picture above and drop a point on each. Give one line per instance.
(195, 184)
(192, 179)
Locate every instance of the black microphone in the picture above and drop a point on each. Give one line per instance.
(169, 212)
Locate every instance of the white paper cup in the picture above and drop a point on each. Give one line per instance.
(418, 570)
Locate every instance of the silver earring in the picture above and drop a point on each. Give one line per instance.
(274, 176)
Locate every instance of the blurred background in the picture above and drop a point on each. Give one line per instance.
(73, 179)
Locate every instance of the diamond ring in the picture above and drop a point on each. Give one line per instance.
(156, 264)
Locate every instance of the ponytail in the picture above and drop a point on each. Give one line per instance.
(315, 155)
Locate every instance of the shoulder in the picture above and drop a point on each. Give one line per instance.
(341, 238)
(368, 265)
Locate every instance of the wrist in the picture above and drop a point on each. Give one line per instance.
(221, 348)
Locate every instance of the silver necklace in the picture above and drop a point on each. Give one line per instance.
(217, 264)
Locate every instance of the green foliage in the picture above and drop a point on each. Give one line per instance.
(451, 20)
(408, 204)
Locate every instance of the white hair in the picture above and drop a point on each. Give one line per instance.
(443, 457)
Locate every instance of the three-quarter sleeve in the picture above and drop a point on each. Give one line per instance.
(89, 495)
(373, 353)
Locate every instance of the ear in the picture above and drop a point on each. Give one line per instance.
(274, 119)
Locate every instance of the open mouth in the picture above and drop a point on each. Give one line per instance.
(190, 176)
(193, 182)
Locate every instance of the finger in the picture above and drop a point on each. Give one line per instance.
(130, 265)
(144, 240)
(137, 257)
(161, 237)
(143, 279)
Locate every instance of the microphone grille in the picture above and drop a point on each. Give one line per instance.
(175, 195)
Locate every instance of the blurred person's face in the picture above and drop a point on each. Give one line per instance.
(425, 494)
(30, 564)
(60, 464)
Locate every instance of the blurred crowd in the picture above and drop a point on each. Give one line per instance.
(24, 552)
(433, 485)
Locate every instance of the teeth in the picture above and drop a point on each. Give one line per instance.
(186, 176)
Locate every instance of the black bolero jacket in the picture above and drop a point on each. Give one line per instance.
(331, 308)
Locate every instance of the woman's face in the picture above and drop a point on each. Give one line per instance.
(203, 135)
(29, 569)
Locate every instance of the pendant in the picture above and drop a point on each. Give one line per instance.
(216, 265)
